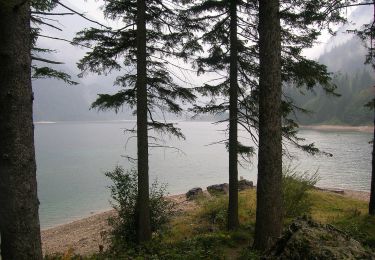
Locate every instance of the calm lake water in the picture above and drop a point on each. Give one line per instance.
(72, 158)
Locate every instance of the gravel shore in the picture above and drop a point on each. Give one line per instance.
(85, 236)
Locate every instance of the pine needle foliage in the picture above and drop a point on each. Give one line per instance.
(39, 18)
(208, 23)
(115, 50)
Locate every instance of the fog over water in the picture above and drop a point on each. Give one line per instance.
(73, 156)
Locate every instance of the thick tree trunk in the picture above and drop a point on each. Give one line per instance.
(233, 142)
(269, 191)
(372, 193)
(19, 221)
(143, 204)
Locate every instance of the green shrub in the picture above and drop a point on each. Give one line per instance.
(124, 194)
(296, 201)
(214, 210)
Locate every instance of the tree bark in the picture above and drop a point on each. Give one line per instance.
(269, 191)
(233, 142)
(372, 192)
(143, 204)
(19, 221)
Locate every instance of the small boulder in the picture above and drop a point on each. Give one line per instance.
(194, 193)
(244, 184)
(305, 239)
(218, 189)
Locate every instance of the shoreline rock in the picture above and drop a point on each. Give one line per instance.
(306, 239)
(217, 189)
(194, 193)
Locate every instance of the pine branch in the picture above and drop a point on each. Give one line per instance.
(39, 21)
(65, 40)
(81, 14)
(45, 60)
(45, 13)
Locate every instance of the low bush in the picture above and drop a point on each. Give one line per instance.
(214, 210)
(124, 195)
(296, 201)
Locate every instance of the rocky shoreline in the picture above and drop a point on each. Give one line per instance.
(87, 235)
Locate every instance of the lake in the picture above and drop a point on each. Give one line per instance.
(73, 156)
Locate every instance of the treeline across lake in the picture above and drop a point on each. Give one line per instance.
(354, 89)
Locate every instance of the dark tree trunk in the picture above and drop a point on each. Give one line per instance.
(143, 204)
(269, 191)
(233, 142)
(372, 193)
(19, 221)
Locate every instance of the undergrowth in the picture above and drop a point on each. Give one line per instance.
(201, 233)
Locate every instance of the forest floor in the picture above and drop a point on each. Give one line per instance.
(345, 209)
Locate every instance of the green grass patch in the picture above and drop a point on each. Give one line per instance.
(201, 233)
(349, 215)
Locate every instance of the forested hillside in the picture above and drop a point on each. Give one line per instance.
(354, 83)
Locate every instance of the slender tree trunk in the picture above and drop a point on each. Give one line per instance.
(233, 142)
(19, 221)
(372, 193)
(269, 191)
(371, 208)
(143, 202)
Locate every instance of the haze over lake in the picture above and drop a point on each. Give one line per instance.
(73, 156)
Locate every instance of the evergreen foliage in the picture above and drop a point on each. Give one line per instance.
(141, 48)
(124, 194)
(348, 109)
(115, 49)
(207, 23)
(40, 10)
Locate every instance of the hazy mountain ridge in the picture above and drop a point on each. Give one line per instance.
(54, 100)
(355, 83)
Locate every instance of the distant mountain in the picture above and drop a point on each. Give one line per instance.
(347, 57)
(344, 56)
(54, 100)
(360, 16)
(355, 83)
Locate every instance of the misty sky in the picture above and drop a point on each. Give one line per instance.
(92, 8)
(72, 24)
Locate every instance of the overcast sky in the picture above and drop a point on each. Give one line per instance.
(72, 24)
(92, 8)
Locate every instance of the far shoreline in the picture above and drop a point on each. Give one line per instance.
(343, 128)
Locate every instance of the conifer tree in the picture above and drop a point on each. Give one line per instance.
(226, 39)
(41, 68)
(19, 221)
(366, 34)
(269, 212)
(146, 41)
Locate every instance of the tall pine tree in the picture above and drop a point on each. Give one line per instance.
(269, 212)
(224, 35)
(19, 221)
(147, 40)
